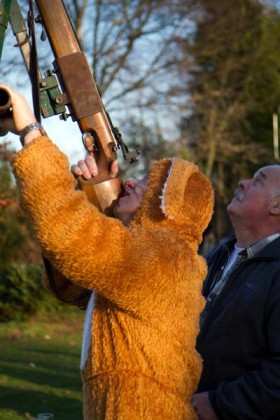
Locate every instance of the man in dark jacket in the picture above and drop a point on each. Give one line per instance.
(240, 325)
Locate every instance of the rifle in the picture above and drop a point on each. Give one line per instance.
(70, 83)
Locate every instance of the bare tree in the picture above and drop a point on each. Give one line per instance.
(130, 46)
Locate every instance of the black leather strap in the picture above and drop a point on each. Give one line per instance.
(34, 69)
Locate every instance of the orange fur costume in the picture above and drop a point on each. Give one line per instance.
(141, 361)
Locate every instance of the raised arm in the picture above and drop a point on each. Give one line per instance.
(83, 244)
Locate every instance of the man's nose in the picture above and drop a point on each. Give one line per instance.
(243, 183)
(130, 183)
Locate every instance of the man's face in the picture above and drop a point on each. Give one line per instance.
(130, 200)
(253, 196)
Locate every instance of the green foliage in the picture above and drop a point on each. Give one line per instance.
(6, 178)
(234, 85)
(16, 243)
(22, 294)
(12, 236)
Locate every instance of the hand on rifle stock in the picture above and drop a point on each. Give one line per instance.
(88, 168)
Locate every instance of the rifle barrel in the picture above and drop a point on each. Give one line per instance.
(58, 26)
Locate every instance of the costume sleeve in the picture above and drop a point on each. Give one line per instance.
(84, 245)
(256, 395)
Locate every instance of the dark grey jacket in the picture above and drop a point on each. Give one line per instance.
(240, 339)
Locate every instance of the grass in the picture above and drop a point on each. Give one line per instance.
(39, 367)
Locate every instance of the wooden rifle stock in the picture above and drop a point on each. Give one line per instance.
(82, 97)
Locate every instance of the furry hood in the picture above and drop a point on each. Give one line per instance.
(178, 197)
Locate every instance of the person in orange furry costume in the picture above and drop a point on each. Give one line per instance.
(139, 359)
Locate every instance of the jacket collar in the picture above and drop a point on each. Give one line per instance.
(266, 248)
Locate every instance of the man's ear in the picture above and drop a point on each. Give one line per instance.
(275, 206)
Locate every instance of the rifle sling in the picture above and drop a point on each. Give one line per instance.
(34, 69)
